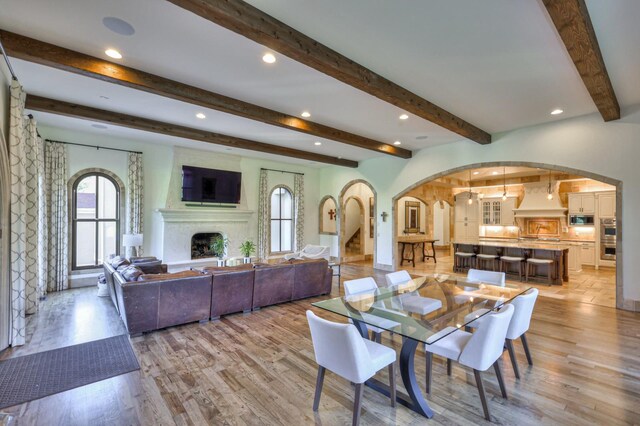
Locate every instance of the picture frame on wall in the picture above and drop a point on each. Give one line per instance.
(411, 217)
(371, 213)
(371, 227)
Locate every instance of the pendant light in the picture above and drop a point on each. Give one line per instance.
(504, 184)
(470, 196)
(549, 190)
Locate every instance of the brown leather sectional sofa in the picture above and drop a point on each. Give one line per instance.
(156, 301)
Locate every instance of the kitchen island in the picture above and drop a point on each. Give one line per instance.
(538, 249)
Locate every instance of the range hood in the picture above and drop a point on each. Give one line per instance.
(536, 204)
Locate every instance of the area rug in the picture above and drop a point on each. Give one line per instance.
(35, 376)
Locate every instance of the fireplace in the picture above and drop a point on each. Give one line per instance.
(201, 245)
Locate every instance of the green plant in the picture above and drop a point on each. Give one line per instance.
(247, 248)
(219, 245)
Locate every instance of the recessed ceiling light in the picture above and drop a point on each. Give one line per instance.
(403, 116)
(113, 53)
(476, 173)
(201, 116)
(421, 138)
(269, 58)
(397, 143)
(306, 114)
(494, 173)
(318, 143)
(118, 26)
(557, 111)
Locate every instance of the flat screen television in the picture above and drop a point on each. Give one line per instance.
(210, 185)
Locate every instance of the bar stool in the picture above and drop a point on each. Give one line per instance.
(464, 260)
(532, 266)
(512, 259)
(481, 258)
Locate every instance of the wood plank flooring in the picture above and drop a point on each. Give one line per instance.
(259, 369)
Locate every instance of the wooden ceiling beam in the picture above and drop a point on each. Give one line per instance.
(37, 103)
(250, 22)
(571, 19)
(57, 57)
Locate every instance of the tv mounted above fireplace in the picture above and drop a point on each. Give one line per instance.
(210, 185)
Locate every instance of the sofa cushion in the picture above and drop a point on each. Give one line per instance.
(118, 261)
(173, 276)
(150, 266)
(130, 273)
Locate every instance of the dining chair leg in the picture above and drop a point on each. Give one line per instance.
(357, 403)
(392, 383)
(429, 357)
(448, 367)
(503, 389)
(483, 397)
(526, 349)
(512, 355)
(319, 382)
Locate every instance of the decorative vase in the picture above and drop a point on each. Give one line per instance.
(220, 262)
(246, 260)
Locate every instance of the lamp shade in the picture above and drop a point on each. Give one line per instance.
(132, 240)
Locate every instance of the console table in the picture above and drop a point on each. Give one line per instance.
(413, 241)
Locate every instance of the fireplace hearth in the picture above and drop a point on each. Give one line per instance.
(201, 245)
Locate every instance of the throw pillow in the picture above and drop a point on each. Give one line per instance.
(131, 273)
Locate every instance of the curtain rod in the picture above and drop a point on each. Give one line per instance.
(6, 59)
(282, 171)
(94, 146)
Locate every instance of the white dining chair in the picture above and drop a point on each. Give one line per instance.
(411, 301)
(364, 286)
(487, 277)
(479, 350)
(518, 327)
(340, 348)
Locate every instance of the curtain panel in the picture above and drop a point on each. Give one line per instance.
(263, 216)
(298, 203)
(56, 220)
(135, 196)
(25, 162)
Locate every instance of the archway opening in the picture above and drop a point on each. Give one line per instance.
(519, 204)
(363, 195)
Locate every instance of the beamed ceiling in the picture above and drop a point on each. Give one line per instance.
(460, 69)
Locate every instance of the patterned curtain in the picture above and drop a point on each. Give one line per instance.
(263, 216)
(56, 217)
(135, 196)
(298, 204)
(24, 157)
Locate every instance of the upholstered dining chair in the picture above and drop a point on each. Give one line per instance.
(363, 286)
(411, 301)
(488, 277)
(518, 327)
(341, 349)
(479, 350)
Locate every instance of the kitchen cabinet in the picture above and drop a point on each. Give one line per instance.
(575, 260)
(582, 203)
(467, 225)
(495, 211)
(588, 254)
(607, 205)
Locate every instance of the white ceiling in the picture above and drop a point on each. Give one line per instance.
(498, 64)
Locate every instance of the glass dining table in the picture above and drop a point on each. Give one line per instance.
(399, 309)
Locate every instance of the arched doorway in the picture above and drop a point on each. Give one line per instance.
(365, 195)
(354, 225)
(615, 184)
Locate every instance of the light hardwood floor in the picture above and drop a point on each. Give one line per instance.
(259, 369)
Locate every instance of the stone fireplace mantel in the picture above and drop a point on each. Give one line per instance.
(179, 225)
(205, 214)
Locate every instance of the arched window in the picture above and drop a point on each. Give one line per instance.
(95, 220)
(281, 220)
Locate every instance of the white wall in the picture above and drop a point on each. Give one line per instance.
(163, 188)
(584, 143)
(441, 222)
(402, 215)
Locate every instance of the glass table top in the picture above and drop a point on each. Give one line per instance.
(425, 308)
